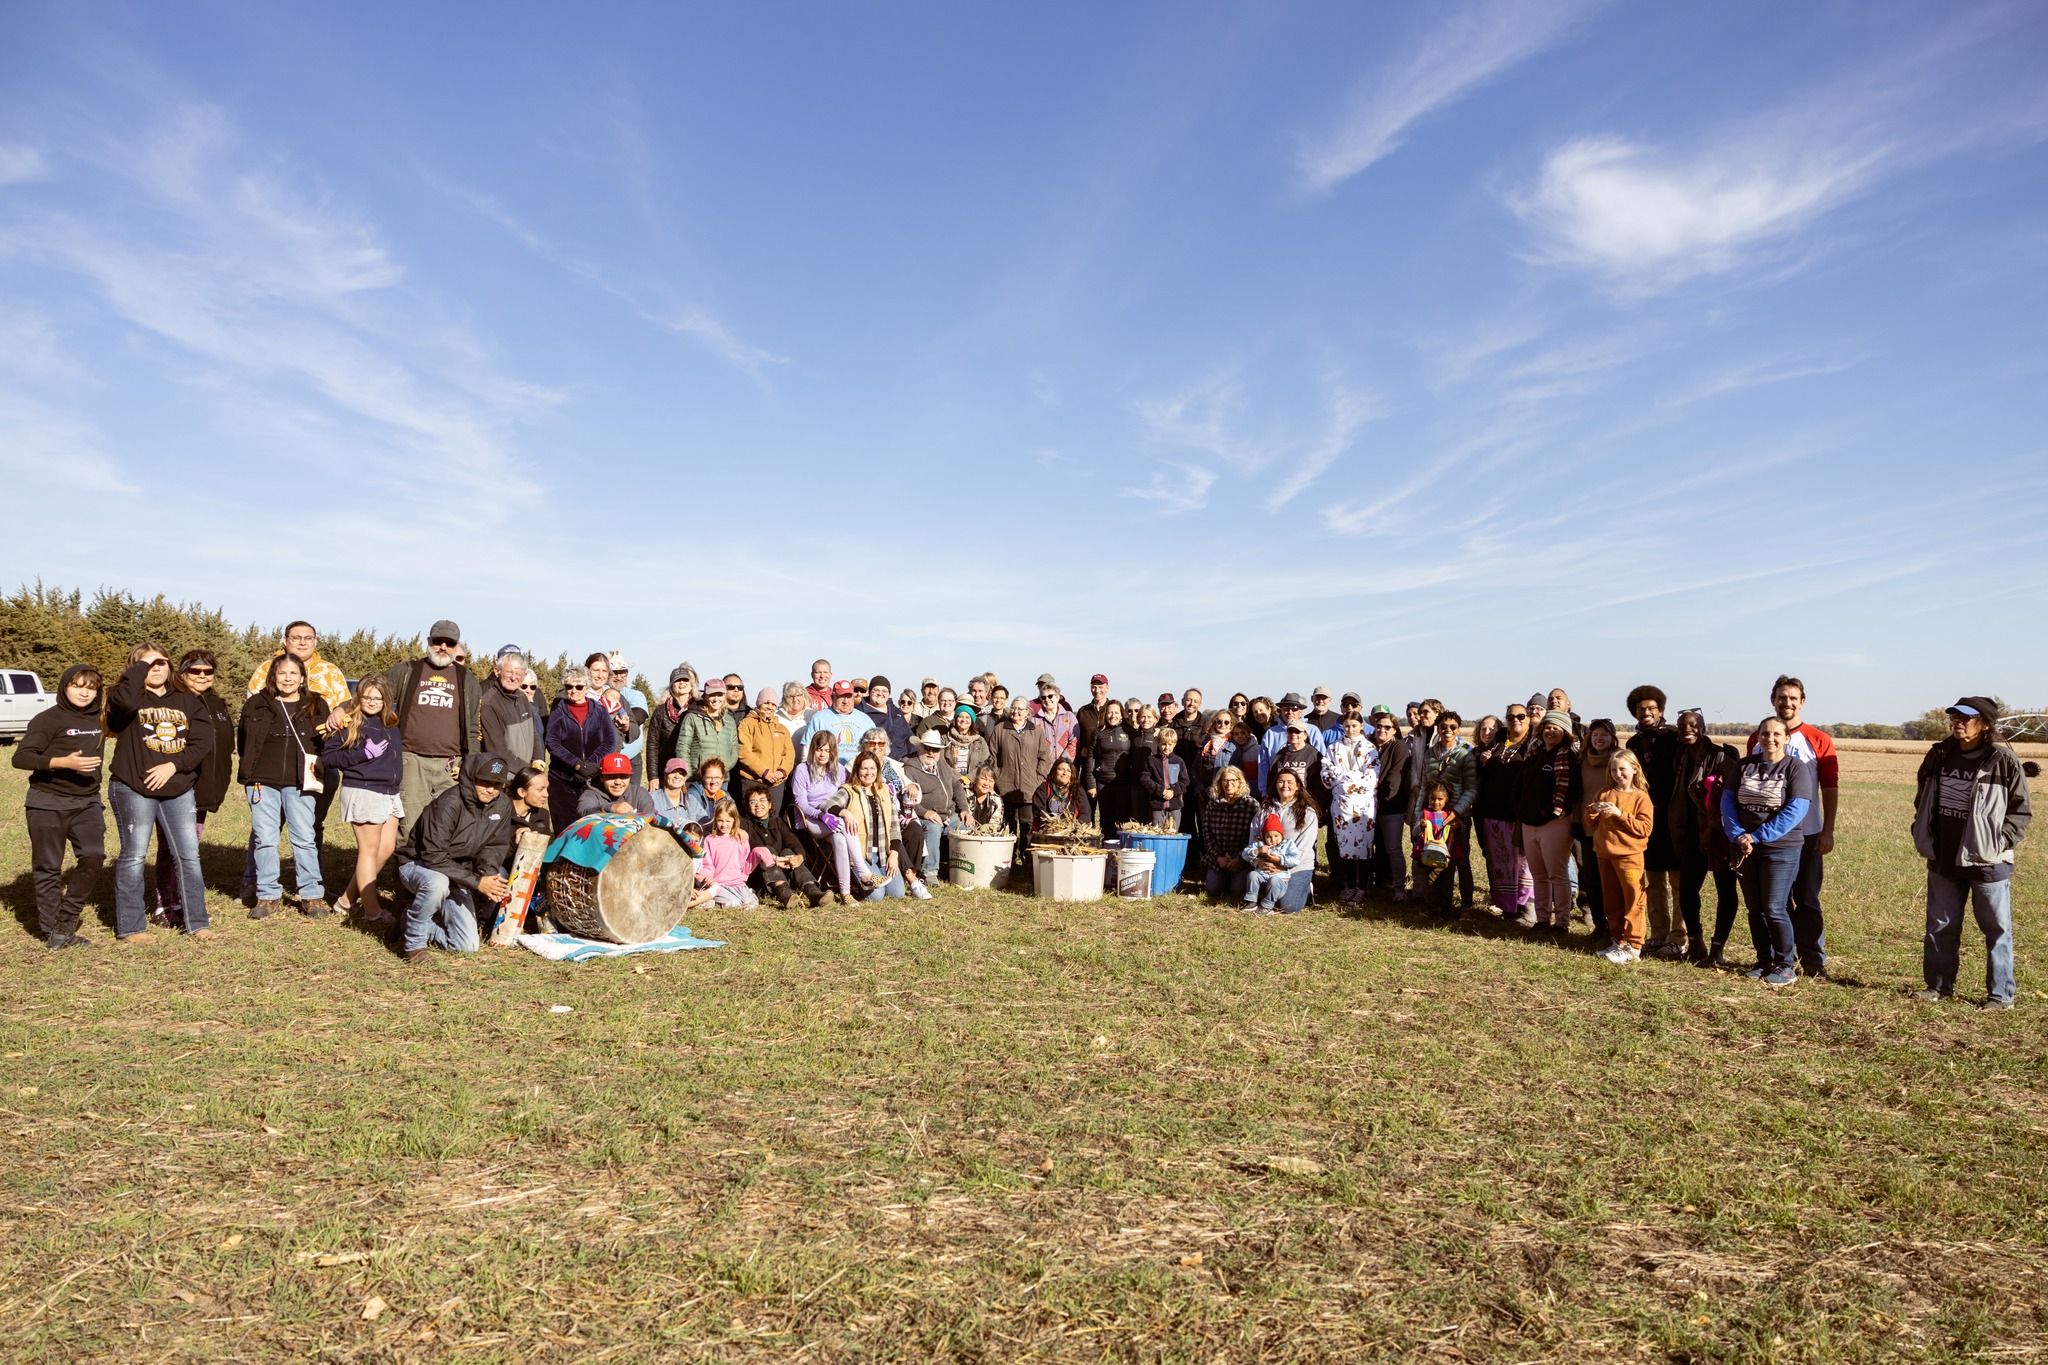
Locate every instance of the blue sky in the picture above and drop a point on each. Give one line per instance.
(1452, 349)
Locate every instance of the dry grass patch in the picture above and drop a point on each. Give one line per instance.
(991, 1128)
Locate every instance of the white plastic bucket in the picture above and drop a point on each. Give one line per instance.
(1069, 876)
(1134, 874)
(974, 861)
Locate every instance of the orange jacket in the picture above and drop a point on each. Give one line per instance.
(1625, 835)
(764, 747)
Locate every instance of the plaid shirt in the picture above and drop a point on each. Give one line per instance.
(1227, 826)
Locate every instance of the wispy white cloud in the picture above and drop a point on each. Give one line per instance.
(1184, 489)
(653, 300)
(1651, 216)
(1755, 374)
(47, 447)
(271, 293)
(1208, 417)
(1651, 219)
(19, 162)
(1475, 44)
(1349, 410)
(1200, 417)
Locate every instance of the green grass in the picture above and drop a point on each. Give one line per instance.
(992, 1128)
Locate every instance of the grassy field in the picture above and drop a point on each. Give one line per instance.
(990, 1128)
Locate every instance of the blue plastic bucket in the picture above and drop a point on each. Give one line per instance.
(1169, 857)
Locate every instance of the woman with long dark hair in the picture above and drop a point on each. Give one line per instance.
(1702, 773)
(280, 745)
(1106, 776)
(196, 671)
(1550, 792)
(1499, 750)
(161, 739)
(1299, 828)
(1060, 796)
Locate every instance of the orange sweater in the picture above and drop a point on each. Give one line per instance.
(1625, 835)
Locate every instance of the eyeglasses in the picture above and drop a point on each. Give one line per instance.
(301, 639)
(198, 671)
(439, 640)
(528, 688)
(574, 687)
(1518, 715)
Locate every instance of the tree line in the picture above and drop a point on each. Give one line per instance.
(49, 629)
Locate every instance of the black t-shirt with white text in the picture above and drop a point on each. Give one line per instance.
(433, 713)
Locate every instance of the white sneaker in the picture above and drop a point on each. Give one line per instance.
(919, 892)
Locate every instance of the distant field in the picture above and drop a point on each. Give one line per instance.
(991, 1128)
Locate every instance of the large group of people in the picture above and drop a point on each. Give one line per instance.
(847, 790)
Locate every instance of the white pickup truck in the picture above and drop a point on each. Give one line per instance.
(22, 699)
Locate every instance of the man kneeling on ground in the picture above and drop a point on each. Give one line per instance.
(458, 852)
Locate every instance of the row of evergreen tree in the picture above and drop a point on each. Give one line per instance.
(49, 629)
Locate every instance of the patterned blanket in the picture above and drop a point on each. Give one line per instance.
(592, 841)
(569, 948)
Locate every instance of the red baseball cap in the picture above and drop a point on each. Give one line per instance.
(842, 688)
(615, 765)
(1102, 678)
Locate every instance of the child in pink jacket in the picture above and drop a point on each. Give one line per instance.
(729, 859)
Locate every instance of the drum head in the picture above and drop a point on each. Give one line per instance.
(643, 892)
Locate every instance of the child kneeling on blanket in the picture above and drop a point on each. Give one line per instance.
(728, 861)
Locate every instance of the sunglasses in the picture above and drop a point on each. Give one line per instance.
(574, 687)
(197, 671)
(447, 644)
(529, 689)
(1518, 715)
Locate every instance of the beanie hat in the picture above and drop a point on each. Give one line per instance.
(1273, 825)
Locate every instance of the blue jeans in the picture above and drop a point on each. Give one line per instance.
(1992, 902)
(1767, 877)
(934, 844)
(1265, 889)
(1223, 882)
(269, 808)
(1300, 882)
(1809, 935)
(441, 913)
(135, 815)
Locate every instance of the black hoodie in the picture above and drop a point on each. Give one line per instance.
(460, 837)
(61, 730)
(149, 730)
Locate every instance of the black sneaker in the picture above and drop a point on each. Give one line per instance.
(1995, 1004)
(57, 943)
